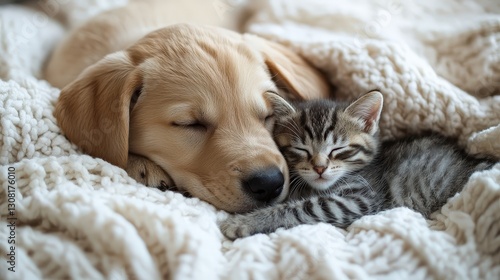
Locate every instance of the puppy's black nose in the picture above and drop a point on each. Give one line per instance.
(266, 184)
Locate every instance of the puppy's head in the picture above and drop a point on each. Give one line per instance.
(193, 100)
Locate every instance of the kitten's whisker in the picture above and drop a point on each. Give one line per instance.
(294, 187)
(292, 132)
(293, 127)
(295, 138)
(364, 182)
(345, 183)
(356, 178)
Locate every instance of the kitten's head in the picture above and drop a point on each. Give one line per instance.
(323, 140)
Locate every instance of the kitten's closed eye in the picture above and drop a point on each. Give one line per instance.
(347, 154)
(301, 151)
(334, 150)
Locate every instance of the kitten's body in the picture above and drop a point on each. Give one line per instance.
(340, 172)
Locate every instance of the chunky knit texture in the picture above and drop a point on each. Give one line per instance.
(437, 64)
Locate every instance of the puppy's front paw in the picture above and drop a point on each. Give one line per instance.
(238, 226)
(148, 173)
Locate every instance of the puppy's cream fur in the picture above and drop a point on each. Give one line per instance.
(201, 112)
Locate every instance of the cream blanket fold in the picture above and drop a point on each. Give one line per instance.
(437, 64)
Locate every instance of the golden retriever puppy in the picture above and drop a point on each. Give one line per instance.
(187, 102)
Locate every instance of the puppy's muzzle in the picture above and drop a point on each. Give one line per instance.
(265, 185)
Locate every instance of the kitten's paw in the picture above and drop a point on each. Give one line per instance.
(237, 226)
(148, 173)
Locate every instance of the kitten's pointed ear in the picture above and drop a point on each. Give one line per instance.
(368, 108)
(280, 106)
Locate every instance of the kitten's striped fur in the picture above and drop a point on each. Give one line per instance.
(340, 171)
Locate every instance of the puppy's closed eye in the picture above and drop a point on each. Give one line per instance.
(192, 125)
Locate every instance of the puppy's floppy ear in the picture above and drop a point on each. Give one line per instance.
(93, 110)
(290, 70)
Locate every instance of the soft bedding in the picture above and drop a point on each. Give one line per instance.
(437, 64)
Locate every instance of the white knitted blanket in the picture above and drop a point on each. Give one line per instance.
(436, 62)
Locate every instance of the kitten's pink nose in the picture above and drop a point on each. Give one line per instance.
(319, 169)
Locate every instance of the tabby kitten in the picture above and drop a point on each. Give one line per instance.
(340, 172)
